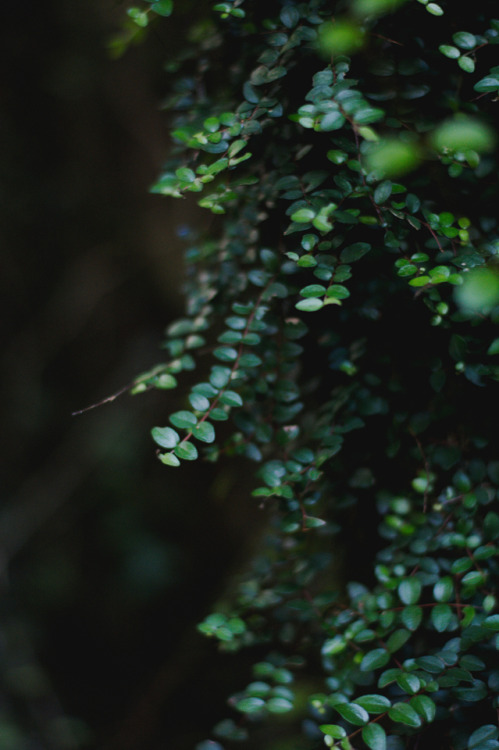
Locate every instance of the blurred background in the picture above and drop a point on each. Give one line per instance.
(107, 559)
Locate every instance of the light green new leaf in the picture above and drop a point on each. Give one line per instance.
(303, 215)
(169, 459)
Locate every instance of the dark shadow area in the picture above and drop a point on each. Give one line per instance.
(108, 559)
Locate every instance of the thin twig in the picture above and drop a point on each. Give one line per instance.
(105, 400)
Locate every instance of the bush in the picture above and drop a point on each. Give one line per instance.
(345, 300)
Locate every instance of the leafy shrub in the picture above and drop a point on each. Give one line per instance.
(345, 300)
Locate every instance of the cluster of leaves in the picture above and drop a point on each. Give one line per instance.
(346, 300)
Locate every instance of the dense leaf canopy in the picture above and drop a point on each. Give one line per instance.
(341, 314)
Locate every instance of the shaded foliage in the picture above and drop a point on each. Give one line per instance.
(341, 313)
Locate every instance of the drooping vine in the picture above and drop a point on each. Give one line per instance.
(341, 314)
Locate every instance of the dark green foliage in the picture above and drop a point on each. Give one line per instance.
(342, 316)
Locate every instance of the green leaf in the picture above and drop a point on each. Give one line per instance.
(187, 451)
(487, 84)
(313, 290)
(409, 683)
(199, 402)
(337, 157)
(412, 616)
(388, 676)
(431, 664)
(337, 291)
(413, 203)
(434, 9)
(185, 174)
(204, 431)
(333, 730)
(403, 713)
(165, 437)
(163, 7)
(383, 192)
(407, 270)
(225, 353)
(279, 705)
(310, 305)
(397, 640)
(138, 16)
(409, 590)
(219, 415)
(473, 579)
(466, 64)
(441, 617)
(307, 261)
(374, 659)
(290, 16)
(165, 381)
(420, 281)
(250, 705)
(334, 645)
(250, 94)
(425, 707)
(366, 115)
(449, 51)
(374, 736)
(231, 398)
(230, 337)
(482, 736)
(491, 622)
(443, 590)
(235, 147)
(373, 703)
(205, 389)
(219, 376)
(471, 662)
(464, 39)
(169, 459)
(332, 121)
(313, 523)
(183, 419)
(249, 360)
(472, 694)
(236, 625)
(309, 241)
(322, 223)
(303, 215)
(353, 713)
(354, 252)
